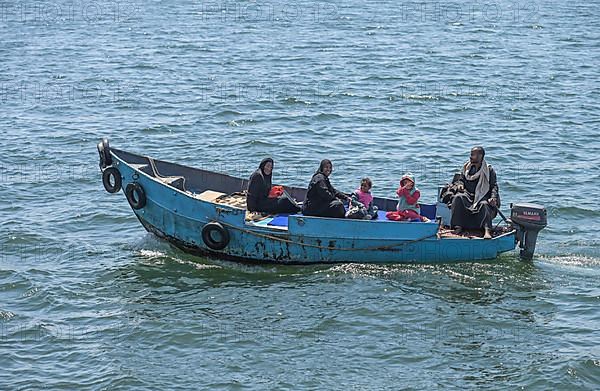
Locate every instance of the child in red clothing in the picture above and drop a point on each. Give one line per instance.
(408, 194)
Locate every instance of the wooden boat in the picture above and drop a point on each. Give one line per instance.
(204, 213)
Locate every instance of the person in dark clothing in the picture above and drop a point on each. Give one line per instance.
(259, 186)
(322, 199)
(475, 204)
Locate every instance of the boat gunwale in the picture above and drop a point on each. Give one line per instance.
(190, 194)
(186, 193)
(270, 230)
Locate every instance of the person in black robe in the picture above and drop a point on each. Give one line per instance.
(477, 201)
(259, 187)
(322, 199)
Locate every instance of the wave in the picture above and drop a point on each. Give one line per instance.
(578, 260)
(293, 101)
(573, 211)
(325, 116)
(420, 97)
(156, 257)
(227, 113)
(157, 129)
(256, 143)
(382, 78)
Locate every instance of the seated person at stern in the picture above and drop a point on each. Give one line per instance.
(477, 201)
(322, 199)
(259, 187)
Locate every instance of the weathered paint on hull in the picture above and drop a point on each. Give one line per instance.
(179, 218)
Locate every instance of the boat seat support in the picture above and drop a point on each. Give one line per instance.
(177, 182)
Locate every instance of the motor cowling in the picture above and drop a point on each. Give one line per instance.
(529, 219)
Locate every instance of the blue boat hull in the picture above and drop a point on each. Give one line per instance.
(179, 216)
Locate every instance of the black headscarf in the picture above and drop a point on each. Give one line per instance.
(259, 186)
(261, 168)
(263, 163)
(324, 162)
(320, 191)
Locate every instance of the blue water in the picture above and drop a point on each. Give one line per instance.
(89, 300)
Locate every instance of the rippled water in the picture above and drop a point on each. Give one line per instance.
(89, 300)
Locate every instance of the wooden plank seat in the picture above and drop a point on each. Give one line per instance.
(209, 195)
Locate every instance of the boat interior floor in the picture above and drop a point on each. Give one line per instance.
(448, 233)
(237, 200)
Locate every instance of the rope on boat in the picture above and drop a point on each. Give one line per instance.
(276, 238)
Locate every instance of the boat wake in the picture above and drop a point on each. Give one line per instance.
(576, 260)
(155, 257)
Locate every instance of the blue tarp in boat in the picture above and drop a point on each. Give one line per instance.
(426, 210)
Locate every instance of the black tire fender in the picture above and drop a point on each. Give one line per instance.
(136, 196)
(104, 153)
(114, 174)
(208, 232)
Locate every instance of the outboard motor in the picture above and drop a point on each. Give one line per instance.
(529, 220)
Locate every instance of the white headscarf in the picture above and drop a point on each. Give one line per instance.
(483, 174)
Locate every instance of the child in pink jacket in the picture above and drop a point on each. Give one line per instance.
(364, 196)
